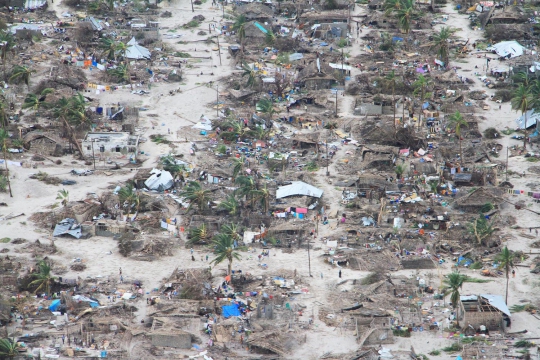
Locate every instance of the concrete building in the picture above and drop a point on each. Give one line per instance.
(110, 142)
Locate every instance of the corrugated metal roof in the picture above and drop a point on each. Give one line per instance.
(68, 227)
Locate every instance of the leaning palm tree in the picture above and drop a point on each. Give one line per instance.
(391, 78)
(225, 250)
(9, 348)
(440, 41)
(21, 74)
(43, 278)
(458, 121)
(4, 138)
(522, 101)
(238, 166)
(405, 17)
(230, 204)
(250, 73)
(62, 109)
(505, 259)
(194, 192)
(247, 187)
(240, 27)
(35, 102)
(63, 196)
(420, 88)
(262, 195)
(452, 286)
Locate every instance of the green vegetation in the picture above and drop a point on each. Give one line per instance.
(524, 344)
(455, 347)
(192, 24)
(5, 240)
(524, 307)
(159, 139)
(401, 332)
(182, 54)
(435, 353)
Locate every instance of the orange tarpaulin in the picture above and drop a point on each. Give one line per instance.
(228, 278)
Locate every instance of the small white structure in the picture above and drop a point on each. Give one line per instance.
(298, 188)
(136, 51)
(532, 118)
(511, 49)
(160, 180)
(110, 142)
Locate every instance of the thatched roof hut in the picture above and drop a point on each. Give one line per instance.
(479, 197)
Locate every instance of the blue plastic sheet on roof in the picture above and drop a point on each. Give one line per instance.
(54, 305)
(230, 310)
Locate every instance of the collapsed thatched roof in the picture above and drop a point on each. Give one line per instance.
(480, 197)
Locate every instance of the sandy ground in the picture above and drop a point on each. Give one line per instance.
(31, 196)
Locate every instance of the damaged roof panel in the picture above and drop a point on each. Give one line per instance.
(298, 188)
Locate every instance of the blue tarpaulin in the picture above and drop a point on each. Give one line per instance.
(425, 105)
(54, 305)
(230, 310)
(396, 39)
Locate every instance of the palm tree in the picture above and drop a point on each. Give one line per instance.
(270, 38)
(34, 102)
(4, 137)
(238, 166)
(263, 195)
(20, 74)
(247, 186)
(121, 48)
(44, 278)
(63, 109)
(3, 115)
(196, 195)
(129, 197)
(240, 27)
(169, 164)
(440, 41)
(505, 259)
(458, 121)
(109, 48)
(198, 235)
(399, 170)
(224, 250)
(453, 284)
(391, 78)
(230, 204)
(250, 73)
(404, 17)
(9, 348)
(420, 87)
(63, 196)
(120, 73)
(266, 106)
(522, 101)
(8, 42)
(234, 231)
(233, 130)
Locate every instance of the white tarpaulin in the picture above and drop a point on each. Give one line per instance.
(531, 116)
(298, 188)
(160, 180)
(340, 66)
(136, 51)
(505, 48)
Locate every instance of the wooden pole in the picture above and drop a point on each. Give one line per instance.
(219, 50)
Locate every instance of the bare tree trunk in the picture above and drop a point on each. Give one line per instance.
(7, 174)
(72, 136)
